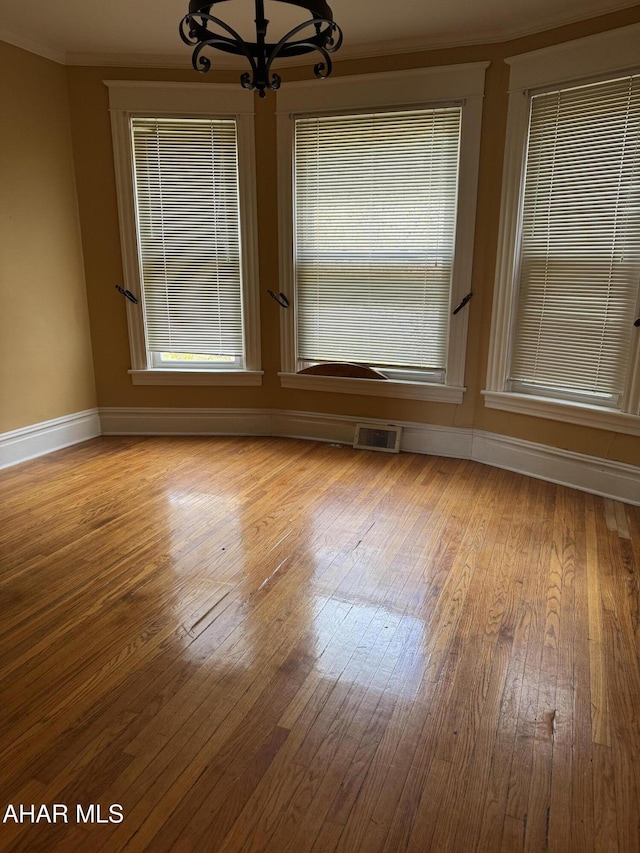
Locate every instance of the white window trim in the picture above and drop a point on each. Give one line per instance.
(591, 58)
(216, 100)
(374, 387)
(420, 87)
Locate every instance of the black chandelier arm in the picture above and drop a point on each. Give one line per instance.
(195, 32)
(323, 69)
(254, 82)
(272, 84)
(320, 69)
(323, 42)
(199, 33)
(235, 45)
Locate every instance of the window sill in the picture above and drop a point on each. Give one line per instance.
(557, 410)
(373, 387)
(196, 377)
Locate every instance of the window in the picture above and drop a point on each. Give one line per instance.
(377, 213)
(187, 216)
(571, 292)
(186, 206)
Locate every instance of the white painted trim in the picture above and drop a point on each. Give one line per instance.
(196, 377)
(18, 445)
(561, 410)
(576, 470)
(210, 99)
(362, 50)
(128, 98)
(605, 53)
(374, 387)
(441, 41)
(633, 391)
(508, 238)
(387, 88)
(588, 473)
(228, 62)
(284, 150)
(40, 49)
(128, 242)
(563, 64)
(462, 271)
(249, 243)
(416, 438)
(418, 87)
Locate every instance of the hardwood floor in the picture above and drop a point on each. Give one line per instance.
(273, 645)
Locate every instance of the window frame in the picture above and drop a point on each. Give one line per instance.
(128, 99)
(588, 60)
(415, 89)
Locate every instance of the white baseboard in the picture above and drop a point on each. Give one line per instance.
(588, 473)
(37, 439)
(416, 438)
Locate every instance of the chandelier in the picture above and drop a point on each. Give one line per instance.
(200, 29)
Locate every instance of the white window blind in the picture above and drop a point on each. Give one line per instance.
(187, 206)
(375, 217)
(580, 243)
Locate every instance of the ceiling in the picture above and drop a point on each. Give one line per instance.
(119, 32)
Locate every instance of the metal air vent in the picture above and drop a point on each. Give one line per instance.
(376, 437)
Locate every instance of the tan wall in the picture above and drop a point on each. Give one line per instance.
(46, 366)
(97, 198)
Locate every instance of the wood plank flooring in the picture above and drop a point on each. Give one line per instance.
(274, 645)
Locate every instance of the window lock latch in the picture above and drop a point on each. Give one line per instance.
(281, 299)
(463, 303)
(127, 293)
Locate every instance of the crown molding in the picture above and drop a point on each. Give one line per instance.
(366, 50)
(32, 46)
(611, 51)
(225, 62)
(416, 44)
